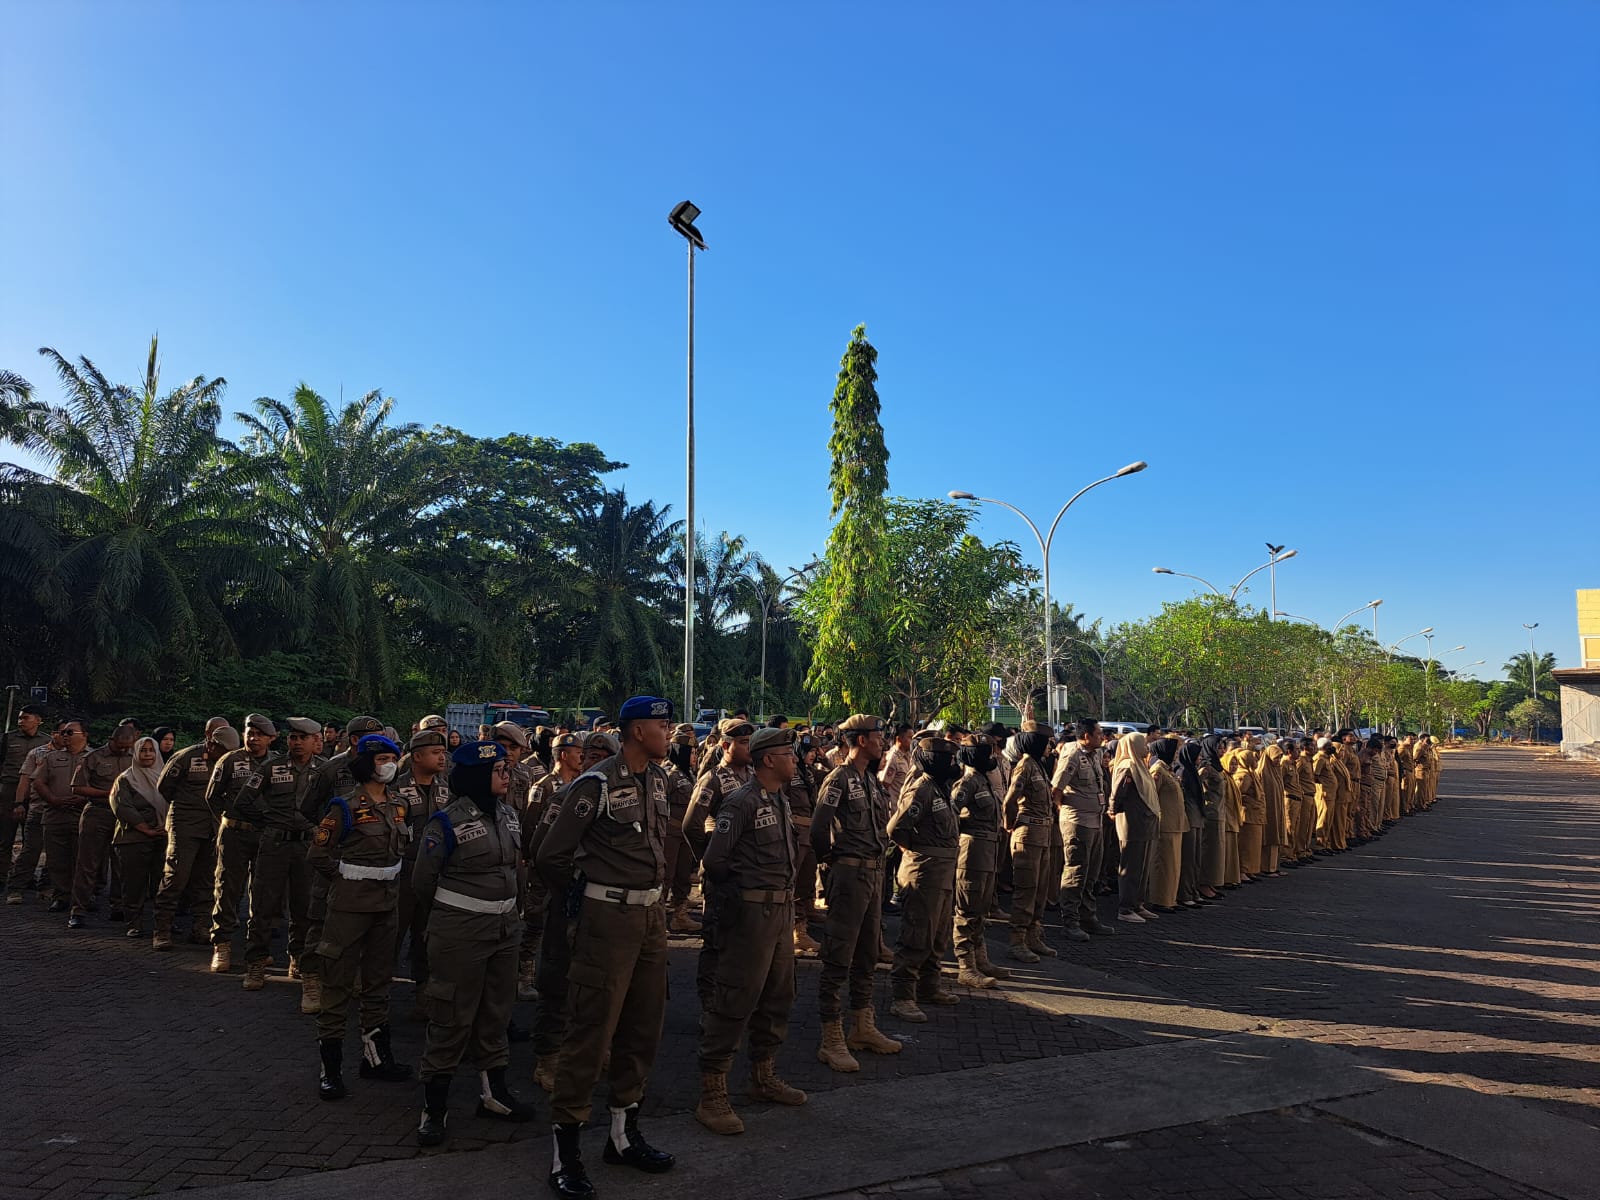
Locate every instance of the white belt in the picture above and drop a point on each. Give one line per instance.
(616, 895)
(473, 904)
(352, 871)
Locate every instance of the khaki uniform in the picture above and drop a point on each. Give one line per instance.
(96, 822)
(14, 750)
(1328, 775)
(750, 861)
(1253, 805)
(1081, 780)
(189, 871)
(138, 855)
(1405, 766)
(849, 833)
(359, 848)
(1214, 847)
(800, 793)
(1030, 813)
(611, 830)
(977, 864)
(1305, 768)
(60, 820)
(332, 780)
(680, 863)
(1269, 785)
(420, 802)
(238, 840)
(535, 896)
(1166, 858)
(466, 872)
(699, 820)
(1374, 782)
(274, 796)
(32, 820)
(555, 941)
(1349, 759)
(928, 831)
(1391, 787)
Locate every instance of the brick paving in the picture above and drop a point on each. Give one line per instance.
(1290, 1154)
(1457, 948)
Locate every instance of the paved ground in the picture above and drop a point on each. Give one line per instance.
(1456, 952)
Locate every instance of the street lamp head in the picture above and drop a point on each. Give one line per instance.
(1429, 629)
(1132, 468)
(1535, 625)
(1287, 554)
(1162, 570)
(1453, 649)
(1374, 603)
(682, 218)
(961, 495)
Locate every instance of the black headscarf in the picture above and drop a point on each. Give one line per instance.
(938, 765)
(475, 781)
(1189, 774)
(1166, 749)
(980, 758)
(1033, 743)
(1211, 751)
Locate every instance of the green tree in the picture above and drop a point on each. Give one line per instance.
(1530, 716)
(1520, 678)
(138, 541)
(843, 609)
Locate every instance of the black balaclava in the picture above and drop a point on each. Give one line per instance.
(938, 765)
(682, 757)
(980, 758)
(476, 782)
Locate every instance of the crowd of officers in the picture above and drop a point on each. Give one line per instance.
(555, 866)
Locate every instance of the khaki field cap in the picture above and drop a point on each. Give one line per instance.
(770, 739)
(362, 725)
(304, 725)
(260, 724)
(683, 735)
(434, 721)
(512, 732)
(861, 723)
(426, 737)
(569, 741)
(732, 727)
(935, 742)
(600, 741)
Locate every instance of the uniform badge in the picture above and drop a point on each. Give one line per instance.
(724, 825)
(583, 808)
(489, 750)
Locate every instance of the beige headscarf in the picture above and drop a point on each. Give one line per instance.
(1131, 753)
(143, 780)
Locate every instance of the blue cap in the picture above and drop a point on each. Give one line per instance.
(645, 708)
(376, 743)
(472, 754)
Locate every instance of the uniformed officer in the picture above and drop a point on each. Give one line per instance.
(273, 797)
(568, 755)
(978, 813)
(750, 863)
(927, 829)
(141, 834)
(238, 837)
(610, 832)
(15, 746)
(467, 874)
(679, 766)
(91, 783)
(189, 871)
(52, 782)
(849, 834)
(359, 848)
(1030, 813)
(1327, 773)
(730, 774)
(422, 788)
(514, 739)
(801, 794)
(555, 946)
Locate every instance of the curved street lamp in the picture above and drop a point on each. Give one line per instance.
(1233, 594)
(682, 219)
(766, 608)
(1045, 541)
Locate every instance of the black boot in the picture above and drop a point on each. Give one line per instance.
(625, 1145)
(517, 1033)
(435, 1111)
(332, 1085)
(568, 1179)
(377, 1058)
(496, 1099)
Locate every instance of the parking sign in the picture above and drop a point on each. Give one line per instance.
(994, 691)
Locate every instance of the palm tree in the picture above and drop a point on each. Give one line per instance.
(1520, 677)
(344, 493)
(621, 595)
(135, 542)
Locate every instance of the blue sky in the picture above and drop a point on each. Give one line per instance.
(1333, 270)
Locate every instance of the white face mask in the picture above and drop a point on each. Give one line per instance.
(384, 772)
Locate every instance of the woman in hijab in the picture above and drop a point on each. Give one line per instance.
(1030, 812)
(140, 840)
(165, 738)
(1190, 877)
(1241, 766)
(1174, 825)
(1214, 802)
(1137, 809)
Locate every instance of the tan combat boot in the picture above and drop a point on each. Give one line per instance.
(222, 958)
(294, 968)
(1019, 947)
(970, 975)
(941, 996)
(833, 1052)
(905, 1010)
(987, 967)
(714, 1111)
(804, 943)
(526, 989)
(682, 922)
(1036, 942)
(162, 938)
(765, 1084)
(255, 975)
(544, 1072)
(310, 995)
(865, 1034)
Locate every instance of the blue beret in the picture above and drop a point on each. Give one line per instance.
(644, 708)
(376, 743)
(472, 754)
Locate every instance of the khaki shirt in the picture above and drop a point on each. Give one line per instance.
(16, 750)
(57, 769)
(752, 847)
(364, 833)
(420, 801)
(1029, 811)
(851, 818)
(925, 821)
(612, 826)
(1081, 780)
(227, 781)
(712, 788)
(465, 853)
(274, 793)
(183, 782)
(99, 770)
(978, 816)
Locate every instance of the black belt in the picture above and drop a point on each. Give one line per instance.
(850, 860)
(784, 896)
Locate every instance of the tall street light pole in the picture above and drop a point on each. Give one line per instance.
(1045, 541)
(682, 219)
(766, 607)
(1533, 666)
(1102, 655)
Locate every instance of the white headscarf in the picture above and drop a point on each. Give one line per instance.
(1131, 752)
(144, 779)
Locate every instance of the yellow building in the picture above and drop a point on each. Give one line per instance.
(1580, 686)
(1589, 627)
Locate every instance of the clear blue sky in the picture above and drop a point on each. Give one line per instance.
(1334, 270)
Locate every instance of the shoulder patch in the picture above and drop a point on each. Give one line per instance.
(582, 807)
(724, 825)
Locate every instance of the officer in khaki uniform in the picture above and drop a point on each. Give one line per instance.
(977, 864)
(189, 871)
(569, 754)
(1030, 815)
(422, 788)
(52, 781)
(359, 848)
(801, 793)
(15, 746)
(610, 833)
(273, 798)
(238, 837)
(849, 834)
(91, 783)
(927, 829)
(679, 766)
(1329, 778)
(32, 804)
(514, 739)
(714, 786)
(467, 872)
(750, 862)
